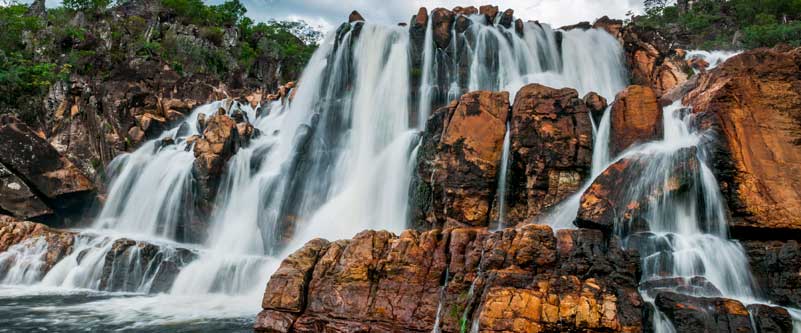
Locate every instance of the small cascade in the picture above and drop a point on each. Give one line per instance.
(442, 290)
(600, 149)
(502, 177)
(426, 83)
(23, 262)
(713, 58)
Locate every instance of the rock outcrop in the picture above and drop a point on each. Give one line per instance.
(753, 105)
(460, 158)
(551, 149)
(623, 191)
(697, 314)
(39, 182)
(776, 266)
(516, 280)
(636, 118)
(26, 234)
(157, 266)
(651, 60)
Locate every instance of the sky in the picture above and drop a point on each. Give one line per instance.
(327, 14)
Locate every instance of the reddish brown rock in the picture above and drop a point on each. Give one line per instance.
(636, 118)
(460, 160)
(612, 26)
(520, 280)
(753, 104)
(18, 233)
(465, 11)
(620, 193)
(442, 20)
(507, 18)
(489, 12)
(551, 149)
(651, 61)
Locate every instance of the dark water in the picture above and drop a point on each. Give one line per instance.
(26, 309)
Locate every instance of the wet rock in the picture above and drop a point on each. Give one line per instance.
(218, 144)
(636, 118)
(459, 164)
(753, 105)
(651, 61)
(442, 20)
(517, 280)
(612, 26)
(696, 314)
(465, 11)
(697, 285)
(776, 266)
(136, 266)
(597, 105)
(622, 192)
(14, 232)
(355, 17)
(551, 150)
(507, 18)
(489, 12)
(767, 318)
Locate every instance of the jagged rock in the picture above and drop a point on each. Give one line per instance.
(22, 233)
(442, 20)
(551, 150)
(615, 196)
(489, 12)
(697, 314)
(612, 26)
(753, 103)
(218, 144)
(460, 162)
(597, 105)
(18, 199)
(127, 257)
(522, 280)
(651, 61)
(636, 118)
(52, 177)
(776, 266)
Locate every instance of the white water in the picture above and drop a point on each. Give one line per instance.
(336, 160)
(714, 58)
(503, 175)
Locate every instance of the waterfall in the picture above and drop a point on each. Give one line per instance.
(713, 58)
(502, 175)
(334, 160)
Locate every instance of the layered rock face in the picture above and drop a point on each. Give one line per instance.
(516, 280)
(752, 103)
(459, 159)
(461, 151)
(39, 182)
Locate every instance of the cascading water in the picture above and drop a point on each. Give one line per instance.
(335, 160)
(502, 175)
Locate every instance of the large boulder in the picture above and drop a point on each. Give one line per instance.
(441, 21)
(34, 170)
(516, 280)
(651, 60)
(131, 265)
(625, 189)
(636, 118)
(459, 160)
(551, 149)
(753, 103)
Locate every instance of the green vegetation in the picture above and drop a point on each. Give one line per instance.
(95, 37)
(761, 23)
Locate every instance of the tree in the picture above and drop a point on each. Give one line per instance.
(86, 5)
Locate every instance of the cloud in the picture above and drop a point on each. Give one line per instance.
(329, 13)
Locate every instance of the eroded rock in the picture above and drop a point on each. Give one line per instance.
(636, 118)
